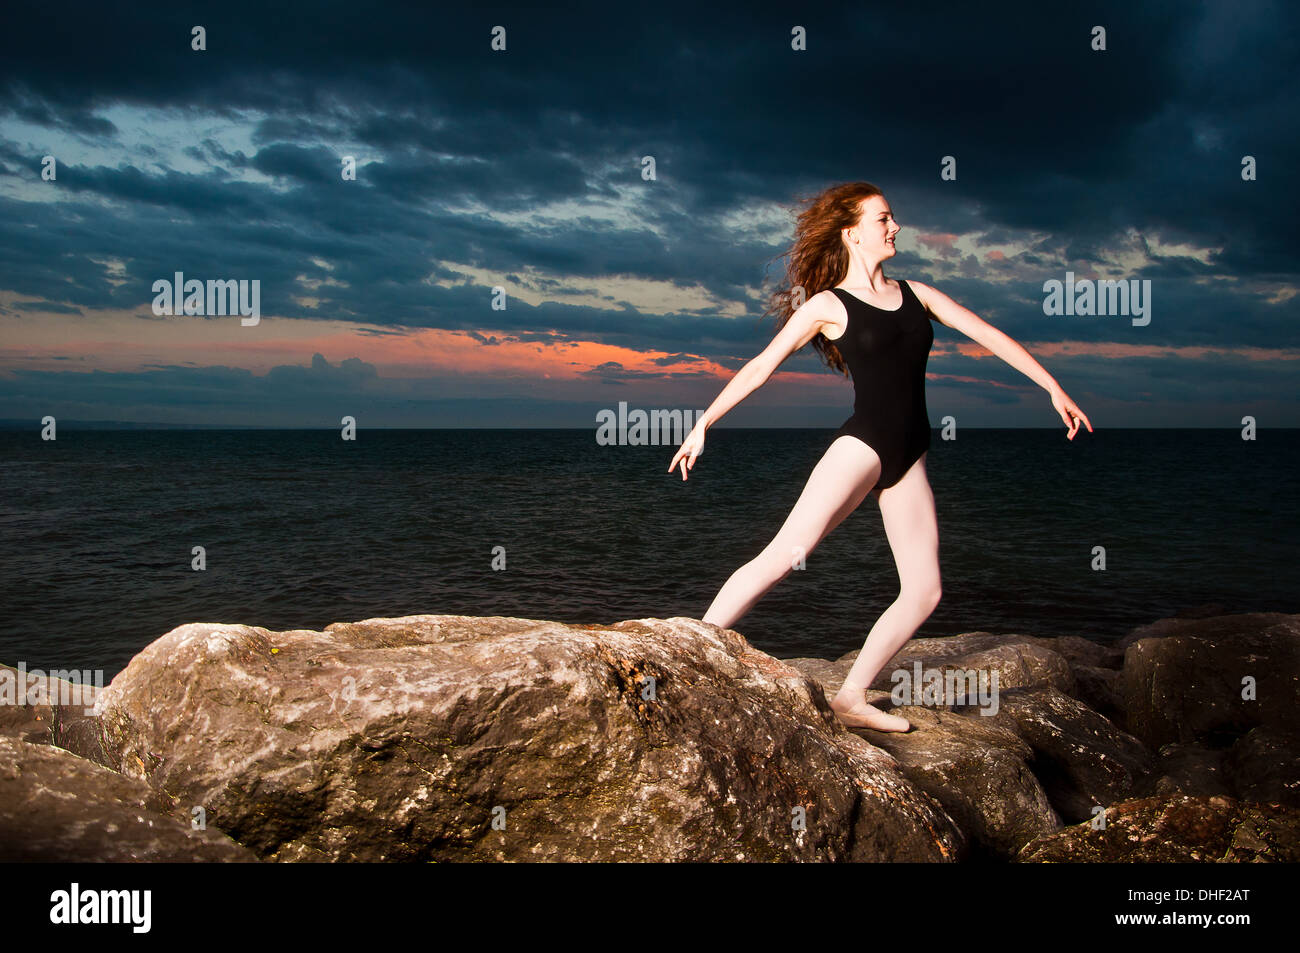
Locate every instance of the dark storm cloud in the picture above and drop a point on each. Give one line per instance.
(669, 359)
(612, 372)
(1051, 138)
(179, 386)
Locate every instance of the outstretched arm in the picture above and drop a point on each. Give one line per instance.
(953, 315)
(806, 323)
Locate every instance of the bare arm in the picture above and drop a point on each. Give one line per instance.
(807, 322)
(953, 315)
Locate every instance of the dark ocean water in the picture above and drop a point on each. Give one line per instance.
(303, 529)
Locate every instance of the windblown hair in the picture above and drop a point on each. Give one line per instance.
(818, 259)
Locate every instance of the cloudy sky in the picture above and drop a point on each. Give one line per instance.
(522, 169)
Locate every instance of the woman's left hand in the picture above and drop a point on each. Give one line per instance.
(1070, 413)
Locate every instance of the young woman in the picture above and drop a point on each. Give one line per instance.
(879, 330)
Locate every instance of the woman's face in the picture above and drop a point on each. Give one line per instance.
(877, 228)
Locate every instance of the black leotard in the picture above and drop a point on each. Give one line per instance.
(886, 353)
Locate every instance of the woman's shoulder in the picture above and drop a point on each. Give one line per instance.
(918, 288)
(916, 283)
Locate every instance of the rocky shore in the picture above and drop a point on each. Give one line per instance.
(463, 738)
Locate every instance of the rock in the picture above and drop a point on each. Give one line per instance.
(1082, 760)
(1191, 769)
(1264, 765)
(1221, 624)
(74, 730)
(1019, 661)
(1176, 829)
(978, 771)
(1082, 652)
(57, 807)
(826, 673)
(61, 713)
(405, 739)
(1183, 679)
(1099, 689)
(20, 720)
(1065, 761)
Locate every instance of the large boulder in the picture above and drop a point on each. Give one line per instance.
(459, 738)
(1212, 680)
(55, 806)
(1176, 829)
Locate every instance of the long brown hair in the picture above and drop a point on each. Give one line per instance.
(818, 259)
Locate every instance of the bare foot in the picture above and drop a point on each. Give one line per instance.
(861, 715)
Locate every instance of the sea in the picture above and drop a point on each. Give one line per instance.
(1039, 535)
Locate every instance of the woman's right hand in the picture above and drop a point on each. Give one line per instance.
(691, 448)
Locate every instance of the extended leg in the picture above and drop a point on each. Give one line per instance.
(841, 480)
(907, 509)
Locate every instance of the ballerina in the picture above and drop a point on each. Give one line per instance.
(878, 331)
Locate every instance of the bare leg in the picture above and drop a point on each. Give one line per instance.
(907, 509)
(841, 480)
